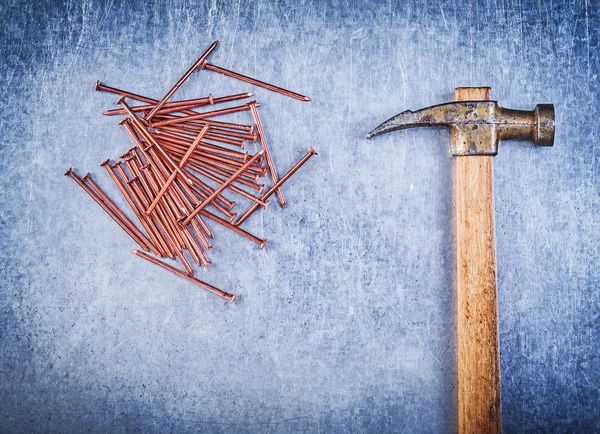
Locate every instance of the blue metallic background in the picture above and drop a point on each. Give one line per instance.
(345, 320)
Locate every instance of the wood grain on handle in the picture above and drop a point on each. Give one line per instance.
(478, 356)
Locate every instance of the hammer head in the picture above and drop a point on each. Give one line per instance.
(477, 127)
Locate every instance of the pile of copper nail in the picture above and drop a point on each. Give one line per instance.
(186, 171)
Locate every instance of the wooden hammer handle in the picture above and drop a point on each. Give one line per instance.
(478, 355)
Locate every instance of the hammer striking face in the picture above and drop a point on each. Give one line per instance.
(476, 127)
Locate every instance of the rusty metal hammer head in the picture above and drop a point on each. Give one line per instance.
(476, 127)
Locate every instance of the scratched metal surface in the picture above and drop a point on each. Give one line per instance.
(345, 320)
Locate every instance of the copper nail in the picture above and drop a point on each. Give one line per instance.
(185, 76)
(199, 116)
(265, 146)
(255, 82)
(87, 178)
(180, 273)
(246, 136)
(124, 93)
(235, 97)
(100, 202)
(231, 126)
(183, 104)
(141, 98)
(284, 178)
(234, 228)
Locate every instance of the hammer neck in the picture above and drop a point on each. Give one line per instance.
(515, 124)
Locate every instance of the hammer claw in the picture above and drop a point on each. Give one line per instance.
(476, 127)
(397, 122)
(437, 115)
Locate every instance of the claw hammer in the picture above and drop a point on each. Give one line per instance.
(477, 125)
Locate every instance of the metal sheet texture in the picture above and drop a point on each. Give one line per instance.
(345, 321)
